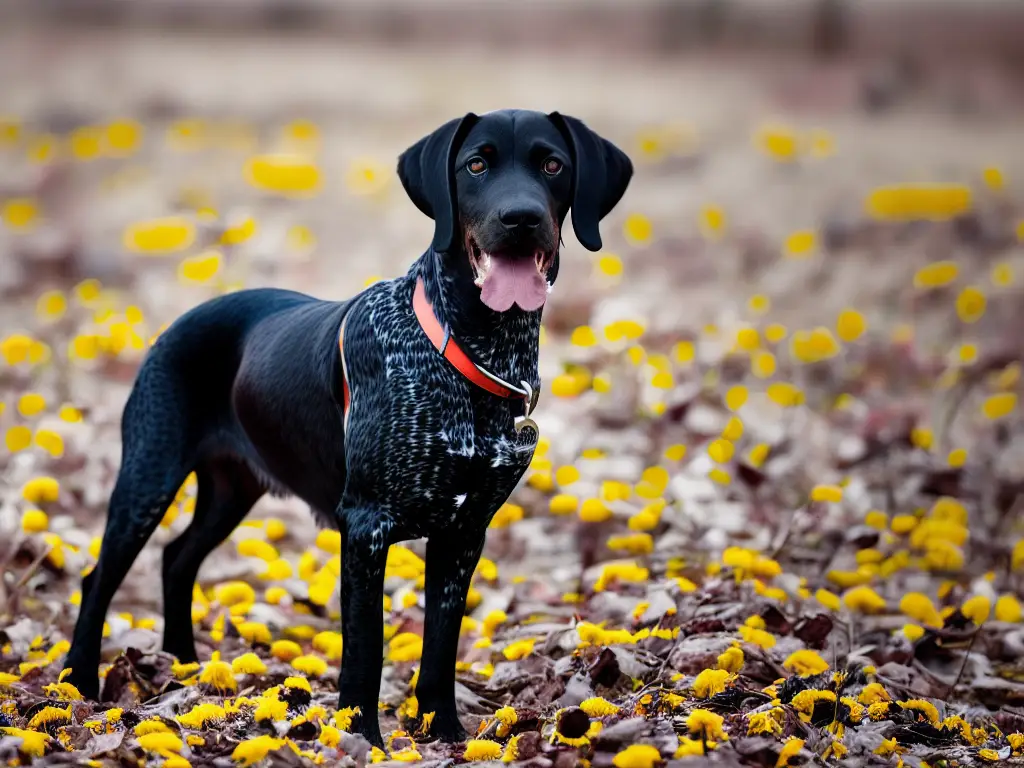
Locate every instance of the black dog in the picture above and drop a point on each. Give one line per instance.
(395, 415)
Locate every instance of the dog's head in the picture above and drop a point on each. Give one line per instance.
(498, 187)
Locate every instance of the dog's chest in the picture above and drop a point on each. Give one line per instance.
(425, 443)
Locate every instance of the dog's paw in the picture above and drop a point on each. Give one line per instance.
(87, 685)
(447, 729)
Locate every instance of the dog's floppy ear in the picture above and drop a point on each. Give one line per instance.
(427, 173)
(602, 173)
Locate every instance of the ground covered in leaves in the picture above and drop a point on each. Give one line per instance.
(775, 514)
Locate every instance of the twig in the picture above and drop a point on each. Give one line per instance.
(967, 656)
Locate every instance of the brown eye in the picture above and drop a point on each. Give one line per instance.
(476, 165)
(552, 166)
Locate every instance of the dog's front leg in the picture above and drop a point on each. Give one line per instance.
(363, 557)
(451, 561)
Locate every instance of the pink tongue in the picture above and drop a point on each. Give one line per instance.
(514, 281)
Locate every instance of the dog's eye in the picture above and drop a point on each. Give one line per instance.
(552, 166)
(476, 165)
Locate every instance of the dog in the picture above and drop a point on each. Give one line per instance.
(400, 413)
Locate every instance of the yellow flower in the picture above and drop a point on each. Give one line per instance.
(805, 662)
(594, 511)
(706, 724)
(407, 755)
(598, 707)
(40, 490)
(201, 268)
(805, 702)
(989, 754)
(873, 693)
(836, 749)
(519, 649)
(977, 608)
(51, 442)
(765, 723)
(713, 222)
(405, 646)
(710, 682)
(629, 572)
(366, 176)
(1008, 608)
(731, 660)
(61, 690)
(908, 202)
(920, 608)
(33, 743)
(329, 540)
(635, 544)
(785, 394)
(851, 325)
(312, 666)
(831, 493)
(160, 742)
(957, 457)
(778, 141)
(720, 476)
(34, 521)
(200, 716)
(993, 177)
(47, 716)
(691, 748)
(999, 405)
(270, 708)
(217, 674)
(800, 244)
(329, 736)
(814, 346)
(864, 600)
(19, 214)
(913, 632)
(482, 749)
(936, 275)
(329, 643)
(610, 264)
(252, 751)
(248, 664)
(583, 336)
(925, 708)
(285, 650)
(637, 756)
(287, 175)
(122, 137)
(234, 593)
(970, 304)
(829, 599)
(159, 236)
(757, 637)
(569, 385)
(637, 229)
(51, 305)
(1002, 273)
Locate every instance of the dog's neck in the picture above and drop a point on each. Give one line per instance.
(505, 343)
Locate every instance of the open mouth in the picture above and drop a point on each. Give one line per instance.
(506, 279)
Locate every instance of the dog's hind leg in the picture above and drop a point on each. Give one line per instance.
(227, 491)
(451, 562)
(155, 461)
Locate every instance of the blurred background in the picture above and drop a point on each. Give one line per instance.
(823, 239)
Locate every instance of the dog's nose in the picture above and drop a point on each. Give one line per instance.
(522, 216)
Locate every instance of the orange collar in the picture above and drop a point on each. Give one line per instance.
(441, 337)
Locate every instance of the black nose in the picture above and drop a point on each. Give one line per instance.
(522, 216)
